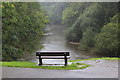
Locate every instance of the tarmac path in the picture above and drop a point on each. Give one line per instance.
(99, 69)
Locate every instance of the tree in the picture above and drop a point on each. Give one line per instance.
(72, 21)
(54, 11)
(107, 40)
(22, 28)
(87, 42)
(72, 12)
(84, 27)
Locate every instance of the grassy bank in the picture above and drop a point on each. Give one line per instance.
(73, 66)
(23, 64)
(103, 58)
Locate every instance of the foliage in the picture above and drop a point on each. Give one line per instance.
(33, 65)
(1, 8)
(110, 10)
(22, 25)
(72, 12)
(87, 42)
(71, 18)
(72, 35)
(54, 11)
(85, 24)
(107, 39)
(89, 18)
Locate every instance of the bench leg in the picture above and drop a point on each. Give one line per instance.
(65, 61)
(40, 61)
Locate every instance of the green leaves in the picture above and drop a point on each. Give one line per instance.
(92, 25)
(54, 11)
(107, 39)
(87, 42)
(22, 29)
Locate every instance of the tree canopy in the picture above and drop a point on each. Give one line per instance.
(93, 26)
(22, 28)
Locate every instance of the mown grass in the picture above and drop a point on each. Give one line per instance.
(103, 58)
(73, 66)
(25, 64)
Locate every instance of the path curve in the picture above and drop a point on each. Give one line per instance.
(99, 69)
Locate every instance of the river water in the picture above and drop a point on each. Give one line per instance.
(54, 40)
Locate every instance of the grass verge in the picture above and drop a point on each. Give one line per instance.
(103, 58)
(25, 64)
(73, 66)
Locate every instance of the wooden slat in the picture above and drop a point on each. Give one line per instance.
(54, 57)
(52, 53)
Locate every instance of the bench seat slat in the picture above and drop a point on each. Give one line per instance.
(54, 57)
(52, 53)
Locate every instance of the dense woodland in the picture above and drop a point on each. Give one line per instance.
(22, 28)
(93, 25)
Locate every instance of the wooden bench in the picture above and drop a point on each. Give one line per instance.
(52, 55)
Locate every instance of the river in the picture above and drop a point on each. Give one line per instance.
(54, 40)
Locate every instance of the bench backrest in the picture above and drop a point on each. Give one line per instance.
(52, 53)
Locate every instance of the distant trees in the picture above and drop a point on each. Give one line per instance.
(91, 25)
(107, 40)
(72, 12)
(54, 11)
(22, 28)
(72, 21)
(87, 41)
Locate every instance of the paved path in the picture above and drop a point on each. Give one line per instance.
(99, 69)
